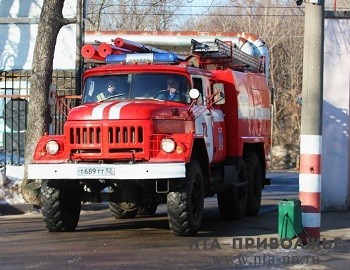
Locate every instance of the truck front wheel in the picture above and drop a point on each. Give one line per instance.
(185, 206)
(60, 205)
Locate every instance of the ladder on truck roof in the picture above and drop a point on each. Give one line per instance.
(218, 53)
(224, 54)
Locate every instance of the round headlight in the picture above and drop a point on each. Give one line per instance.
(52, 147)
(167, 145)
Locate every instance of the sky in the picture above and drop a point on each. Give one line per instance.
(199, 6)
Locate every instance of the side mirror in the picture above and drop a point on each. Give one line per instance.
(194, 94)
(218, 94)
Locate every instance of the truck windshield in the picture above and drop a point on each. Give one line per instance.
(137, 86)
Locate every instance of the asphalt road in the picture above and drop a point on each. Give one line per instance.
(102, 242)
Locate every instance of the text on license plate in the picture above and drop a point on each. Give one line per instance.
(98, 171)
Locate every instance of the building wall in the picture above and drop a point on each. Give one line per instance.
(18, 40)
(335, 155)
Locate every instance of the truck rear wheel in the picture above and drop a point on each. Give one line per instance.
(233, 202)
(254, 183)
(60, 205)
(119, 213)
(185, 206)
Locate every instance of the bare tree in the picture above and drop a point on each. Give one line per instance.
(152, 15)
(51, 21)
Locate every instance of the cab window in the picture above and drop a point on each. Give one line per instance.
(198, 84)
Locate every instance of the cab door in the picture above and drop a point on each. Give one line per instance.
(209, 120)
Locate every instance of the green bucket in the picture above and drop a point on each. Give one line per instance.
(289, 218)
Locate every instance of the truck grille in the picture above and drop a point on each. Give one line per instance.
(110, 141)
(85, 135)
(124, 135)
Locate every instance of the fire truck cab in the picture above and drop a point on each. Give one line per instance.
(175, 129)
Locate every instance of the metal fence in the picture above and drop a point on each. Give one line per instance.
(14, 98)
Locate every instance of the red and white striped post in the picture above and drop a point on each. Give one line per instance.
(310, 184)
(311, 120)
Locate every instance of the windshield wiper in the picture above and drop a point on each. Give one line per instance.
(113, 96)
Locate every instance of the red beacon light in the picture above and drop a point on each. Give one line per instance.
(168, 57)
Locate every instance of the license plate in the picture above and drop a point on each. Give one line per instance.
(96, 171)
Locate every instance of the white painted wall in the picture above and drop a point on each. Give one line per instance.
(17, 41)
(335, 157)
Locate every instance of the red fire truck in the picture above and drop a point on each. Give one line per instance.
(138, 147)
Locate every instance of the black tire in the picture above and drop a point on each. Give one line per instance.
(233, 202)
(254, 176)
(119, 213)
(60, 204)
(185, 207)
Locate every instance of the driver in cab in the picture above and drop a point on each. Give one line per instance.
(172, 92)
(110, 91)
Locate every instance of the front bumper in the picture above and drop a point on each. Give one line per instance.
(107, 171)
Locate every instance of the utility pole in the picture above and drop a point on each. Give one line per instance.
(80, 32)
(311, 119)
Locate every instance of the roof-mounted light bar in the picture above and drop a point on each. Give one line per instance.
(168, 57)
